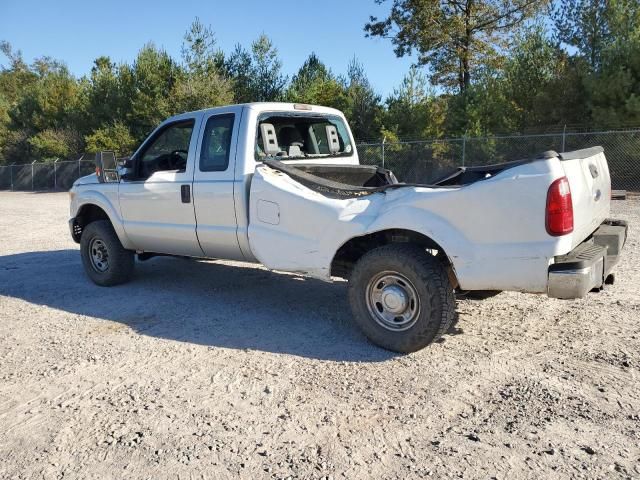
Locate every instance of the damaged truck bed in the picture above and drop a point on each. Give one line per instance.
(489, 221)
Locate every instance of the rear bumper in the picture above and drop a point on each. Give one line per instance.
(588, 265)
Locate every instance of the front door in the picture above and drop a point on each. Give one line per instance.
(157, 206)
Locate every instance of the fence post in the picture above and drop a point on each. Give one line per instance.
(464, 147)
(564, 135)
(384, 140)
(11, 174)
(55, 174)
(79, 175)
(32, 174)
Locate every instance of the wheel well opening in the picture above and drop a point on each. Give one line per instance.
(87, 214)
(349, 253)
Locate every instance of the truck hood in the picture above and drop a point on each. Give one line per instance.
(86, 180)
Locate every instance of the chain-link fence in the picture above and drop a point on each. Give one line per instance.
(419, 161)
(57, 175)
(425, 161)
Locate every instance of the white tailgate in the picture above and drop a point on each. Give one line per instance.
(590, 183)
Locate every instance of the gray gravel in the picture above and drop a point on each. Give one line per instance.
(226, 370)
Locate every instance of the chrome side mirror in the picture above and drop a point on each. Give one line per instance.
(106, 167)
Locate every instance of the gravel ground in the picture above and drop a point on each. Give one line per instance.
(226, 370)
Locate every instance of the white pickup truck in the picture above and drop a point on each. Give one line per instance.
(280, 184)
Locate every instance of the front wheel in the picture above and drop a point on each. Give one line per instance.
(401, 297)
(105, 260)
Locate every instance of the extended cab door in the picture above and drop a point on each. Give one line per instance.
(214, 184)
(157, 203)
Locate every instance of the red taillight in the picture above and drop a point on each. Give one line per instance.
(559, 214)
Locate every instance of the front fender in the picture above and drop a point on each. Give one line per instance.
(108, 202)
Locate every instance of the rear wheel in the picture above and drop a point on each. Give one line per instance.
(401, 297)
(105, 260)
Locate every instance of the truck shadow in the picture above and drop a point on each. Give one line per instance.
(205, 303)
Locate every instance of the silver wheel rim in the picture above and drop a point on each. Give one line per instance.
(99, 255)
(393, 301)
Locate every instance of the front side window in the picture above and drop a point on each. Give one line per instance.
(216, 143)
(168, 151)
(300, 136)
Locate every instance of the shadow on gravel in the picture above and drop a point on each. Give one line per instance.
(205, 303)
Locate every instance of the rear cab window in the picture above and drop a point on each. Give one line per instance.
(297, 136)
(216, 143)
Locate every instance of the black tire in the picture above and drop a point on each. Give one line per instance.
(479, 294)
(428, 285)
(118, 263)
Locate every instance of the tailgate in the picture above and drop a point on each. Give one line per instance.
(590, 183)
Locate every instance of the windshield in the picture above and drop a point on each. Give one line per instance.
(300, 136)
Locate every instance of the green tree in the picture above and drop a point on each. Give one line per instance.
(256, 74)
(528, 74)
(149, 85)
(315, 84)
(15, 78)
(51, 101)
(199, 52)
(615, 91)
(268, 81)
(237, 67)
(116, 137)
(312, 72)
(38, 109)
(454, 38)
(102, 94)
(16, 147)
(5, 121)
(363, 104)
(201, 83)
(483, 109)
(582, 24)
(537, 87)
(412, 109)
(591, 26)
(51, 143)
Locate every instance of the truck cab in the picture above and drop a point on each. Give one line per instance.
(198, 165)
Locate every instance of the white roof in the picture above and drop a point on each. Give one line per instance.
(262, 107)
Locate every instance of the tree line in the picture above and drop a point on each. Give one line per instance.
(482, 67)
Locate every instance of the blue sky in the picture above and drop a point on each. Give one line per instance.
(79, 31)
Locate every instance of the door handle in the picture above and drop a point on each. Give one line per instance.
(185, 193)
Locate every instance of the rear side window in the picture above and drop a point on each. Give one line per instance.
(216, 143)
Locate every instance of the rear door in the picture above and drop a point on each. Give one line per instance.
(214, 184)
(588, 175)
(157, 206)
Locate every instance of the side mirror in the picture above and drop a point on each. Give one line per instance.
(127, 168)
(107, 167)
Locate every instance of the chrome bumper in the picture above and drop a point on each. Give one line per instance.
(588, 265)
(576, 283)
